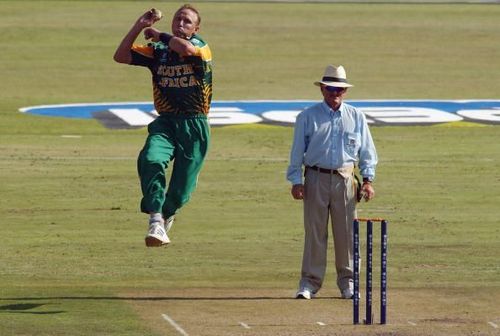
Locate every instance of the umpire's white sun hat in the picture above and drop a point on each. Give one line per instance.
(334, 76)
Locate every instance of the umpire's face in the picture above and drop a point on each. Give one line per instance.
(185, 23)
(333, 95)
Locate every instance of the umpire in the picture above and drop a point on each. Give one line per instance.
(330, 138)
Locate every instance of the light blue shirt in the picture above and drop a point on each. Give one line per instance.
(331, 139)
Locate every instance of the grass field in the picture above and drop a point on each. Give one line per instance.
(72, 257)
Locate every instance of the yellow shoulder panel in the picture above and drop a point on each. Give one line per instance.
(204, 52)
(143, 50)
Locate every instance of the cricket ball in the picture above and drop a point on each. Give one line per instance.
(156, 14)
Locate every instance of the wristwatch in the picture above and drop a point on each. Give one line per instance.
(367, 180)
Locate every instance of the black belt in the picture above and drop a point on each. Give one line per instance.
(324, 170)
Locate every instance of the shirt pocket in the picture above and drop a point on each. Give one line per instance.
(352, 142)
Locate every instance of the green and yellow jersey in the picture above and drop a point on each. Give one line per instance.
(181, 85)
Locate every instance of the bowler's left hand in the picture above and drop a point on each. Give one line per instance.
(152, 33)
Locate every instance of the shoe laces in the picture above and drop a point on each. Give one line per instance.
(157, 228)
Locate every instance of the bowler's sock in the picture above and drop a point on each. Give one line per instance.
(155, 217)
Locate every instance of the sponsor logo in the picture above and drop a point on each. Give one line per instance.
(377, 112)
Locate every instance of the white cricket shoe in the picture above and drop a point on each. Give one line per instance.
(157, 235)
(304, 293)
(169, 222)
(347, 293)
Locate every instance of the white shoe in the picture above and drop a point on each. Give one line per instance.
(347, 293)
(157, 236)
(169, 222)
(304, 293)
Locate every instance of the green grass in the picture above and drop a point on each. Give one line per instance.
(72, 256)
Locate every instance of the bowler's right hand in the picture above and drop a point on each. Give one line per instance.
(298, 191)
(146, 20)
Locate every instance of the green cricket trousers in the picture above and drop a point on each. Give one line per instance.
(183, 140)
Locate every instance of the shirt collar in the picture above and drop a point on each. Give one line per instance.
(330, 110)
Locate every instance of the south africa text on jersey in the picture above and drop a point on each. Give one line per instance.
(176, 75)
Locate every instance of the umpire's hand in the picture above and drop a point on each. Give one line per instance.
(368, 191)
(298, 191)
